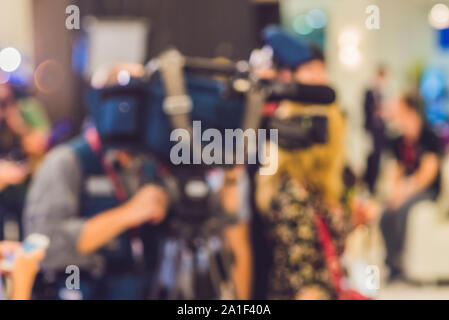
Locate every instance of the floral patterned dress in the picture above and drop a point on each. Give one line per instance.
(299, 262)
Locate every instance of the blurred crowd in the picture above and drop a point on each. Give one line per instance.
(136, 226)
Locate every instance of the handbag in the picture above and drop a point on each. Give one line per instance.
(333, 263)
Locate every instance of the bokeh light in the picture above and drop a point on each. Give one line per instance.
(439, 16)
(10, 59)
(350, 56)
(124, 107)
(316, 18)
(123, 77)
(301, 26)
(433, 84)
(349, 48)
(49, 76)
(349, 37)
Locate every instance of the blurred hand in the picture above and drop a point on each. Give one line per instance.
(12, 173)
(8, 248)
(24, 272)
(309, 293)
(149, 204)
(230, 196)
(398, 196)
(25, 269)
(15, 121)
(26, 266)
(266, 73)
(365, 212)
(234, 173)
(35, 143)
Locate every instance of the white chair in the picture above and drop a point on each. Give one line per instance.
(426, 250)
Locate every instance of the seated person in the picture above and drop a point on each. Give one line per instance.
(23, 273)
(415, 174)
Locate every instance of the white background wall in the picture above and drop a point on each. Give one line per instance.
(404, 38)
(16, 26)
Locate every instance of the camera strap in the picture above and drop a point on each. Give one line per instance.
(178, 104)
(94, 142)
(332, 261)
(255, 102)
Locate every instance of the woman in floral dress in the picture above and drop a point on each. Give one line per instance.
(309, 182)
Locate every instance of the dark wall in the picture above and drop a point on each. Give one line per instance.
(52, 41)
(265, 14)
(208, 28)
(196, 27)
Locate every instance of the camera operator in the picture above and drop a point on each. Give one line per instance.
(306, 209)
(76, 199)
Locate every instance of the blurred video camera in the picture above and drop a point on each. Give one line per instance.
(141, 113)
(176, 90)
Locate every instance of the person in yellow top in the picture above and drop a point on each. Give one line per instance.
(308, 186)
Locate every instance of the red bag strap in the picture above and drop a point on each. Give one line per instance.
(330, 254)
(93, 140)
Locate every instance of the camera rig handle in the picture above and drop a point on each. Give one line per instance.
(178, 104)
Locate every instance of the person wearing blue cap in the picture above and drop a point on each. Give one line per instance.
(295, 60)
(306, 206)
(292, 60)
(100, 211)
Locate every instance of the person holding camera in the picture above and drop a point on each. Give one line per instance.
(306, 205)
(98, 214)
